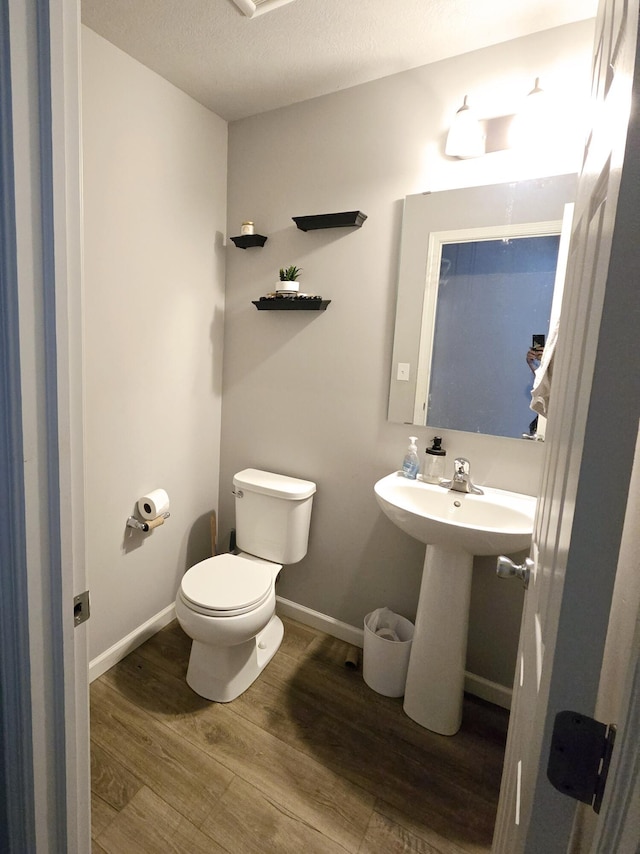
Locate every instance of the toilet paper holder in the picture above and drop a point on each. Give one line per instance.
(145, 526)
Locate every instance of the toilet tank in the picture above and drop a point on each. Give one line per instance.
(273, 513)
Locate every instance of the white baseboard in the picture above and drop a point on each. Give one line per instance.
(115, 653)
(476, 685)
(316, 620)
(492, 692)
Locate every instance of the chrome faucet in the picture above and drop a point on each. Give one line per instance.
(461, 480)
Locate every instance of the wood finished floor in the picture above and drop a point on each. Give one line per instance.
(309, 760)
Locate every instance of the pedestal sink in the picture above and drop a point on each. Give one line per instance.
(455, 526)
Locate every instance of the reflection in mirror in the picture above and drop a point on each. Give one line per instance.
(477, 275)
(491, 297)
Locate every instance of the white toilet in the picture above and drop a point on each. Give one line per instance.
(227, 603)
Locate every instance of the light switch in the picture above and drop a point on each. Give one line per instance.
(403, 371)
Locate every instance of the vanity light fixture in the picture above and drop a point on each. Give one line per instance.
(530, 124)
(466, 137)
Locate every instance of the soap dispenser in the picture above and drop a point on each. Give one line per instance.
(434, 462)
(411, 463)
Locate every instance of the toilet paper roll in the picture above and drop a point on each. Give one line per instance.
(387, 634)
(154, 504)
(352, 657)
(154, 523)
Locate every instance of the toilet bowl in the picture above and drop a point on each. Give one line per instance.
(226, 604)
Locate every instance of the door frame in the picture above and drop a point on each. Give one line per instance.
(619, 826)
(17, 827)
(45, 666)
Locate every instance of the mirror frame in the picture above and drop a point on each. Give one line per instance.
(495, 205)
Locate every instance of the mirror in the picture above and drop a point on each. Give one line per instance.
(477, 279)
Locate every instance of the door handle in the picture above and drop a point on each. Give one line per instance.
(506, 568)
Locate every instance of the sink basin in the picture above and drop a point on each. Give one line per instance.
(489, 524)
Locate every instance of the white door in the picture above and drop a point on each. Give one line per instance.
(589, 453)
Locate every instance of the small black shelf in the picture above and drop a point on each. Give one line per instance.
(346, 219)
(291, 304)
(245, 241)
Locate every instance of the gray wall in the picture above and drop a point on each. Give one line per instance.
(155, 167)
(306, 394)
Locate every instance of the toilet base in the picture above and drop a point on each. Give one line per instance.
(223, 673)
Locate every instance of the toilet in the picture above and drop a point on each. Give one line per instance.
(227, 603)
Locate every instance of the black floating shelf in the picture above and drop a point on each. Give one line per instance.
(291, 304)
(353, 219)
(245, 241)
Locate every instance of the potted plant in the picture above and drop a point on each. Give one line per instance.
(289, 279)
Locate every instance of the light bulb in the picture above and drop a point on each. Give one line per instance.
(465, 138)
(530, 125)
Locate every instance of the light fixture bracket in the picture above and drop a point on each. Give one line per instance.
(251, 9)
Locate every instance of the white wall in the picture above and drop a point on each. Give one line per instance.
(306, 394)
(155, 168)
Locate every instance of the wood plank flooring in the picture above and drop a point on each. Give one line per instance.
(309, 760)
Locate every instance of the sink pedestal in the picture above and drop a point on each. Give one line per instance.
(435, 680)
(454, 526)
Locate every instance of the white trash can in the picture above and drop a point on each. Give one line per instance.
(387, 645)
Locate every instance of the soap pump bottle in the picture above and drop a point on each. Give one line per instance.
(411, 463)
(434, 462)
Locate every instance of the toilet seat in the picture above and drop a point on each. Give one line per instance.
(226, 586)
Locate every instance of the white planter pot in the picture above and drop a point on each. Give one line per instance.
(287, 287)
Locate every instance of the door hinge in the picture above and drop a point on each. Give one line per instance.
(81, 610)
(579, 758)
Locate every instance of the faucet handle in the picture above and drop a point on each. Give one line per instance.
(461, 466)
(461, 481)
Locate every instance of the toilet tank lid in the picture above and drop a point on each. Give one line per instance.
(278, 485)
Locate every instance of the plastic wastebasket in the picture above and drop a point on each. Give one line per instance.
(387, 645)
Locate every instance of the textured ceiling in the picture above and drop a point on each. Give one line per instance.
(239, 66)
